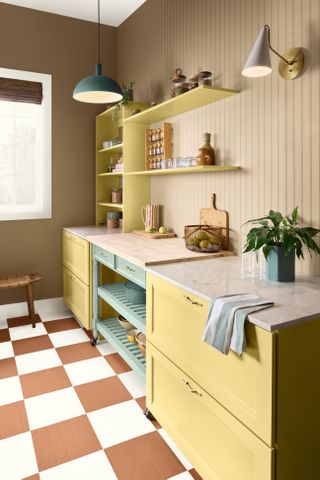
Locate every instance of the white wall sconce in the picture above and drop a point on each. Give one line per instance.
(258, 63)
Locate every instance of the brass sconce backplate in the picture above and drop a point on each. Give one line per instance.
(289, 72)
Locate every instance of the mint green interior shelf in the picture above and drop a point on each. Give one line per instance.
(114, 295)
(117, 336)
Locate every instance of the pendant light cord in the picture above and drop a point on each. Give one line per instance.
(99, 31)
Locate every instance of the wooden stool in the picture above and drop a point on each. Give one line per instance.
(23, 280)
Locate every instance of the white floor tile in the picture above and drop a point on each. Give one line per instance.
(88, 370)
(17, 309)
(187, 465)
(18, 459)
(53, 407)
(26, 331)
(3, 317)
(68, 337)
(52, 309)
(10, 390)
(35, 361)
(182, 476)
(119, 422)
(105, 348)
(134, 383)
(95, 466)
(6, 350)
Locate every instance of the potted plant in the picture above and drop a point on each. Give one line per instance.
(281, 238)
(127, 91)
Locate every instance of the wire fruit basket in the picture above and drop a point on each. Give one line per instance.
(203, 238)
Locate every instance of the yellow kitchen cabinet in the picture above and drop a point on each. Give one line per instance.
(244, 385)
(75, 256)
(254, 417)
(76, 276)
(213, 440)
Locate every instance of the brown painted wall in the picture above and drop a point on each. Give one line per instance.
(271, 129)
(65, 48)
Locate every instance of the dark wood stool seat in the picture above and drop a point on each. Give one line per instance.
(22, 280)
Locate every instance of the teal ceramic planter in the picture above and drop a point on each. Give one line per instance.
(279, 267)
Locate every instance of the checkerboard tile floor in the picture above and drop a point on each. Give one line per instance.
(70, 410)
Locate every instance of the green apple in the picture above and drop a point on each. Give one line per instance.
(163, 230)
(150, 229)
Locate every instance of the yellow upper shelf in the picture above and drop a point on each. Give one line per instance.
(198, 169)
(114, 148)
(202, 95)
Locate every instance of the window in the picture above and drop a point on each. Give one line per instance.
(25, 145)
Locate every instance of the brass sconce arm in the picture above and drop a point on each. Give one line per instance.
(291, 62)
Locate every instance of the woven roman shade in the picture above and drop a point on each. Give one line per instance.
(20, 91)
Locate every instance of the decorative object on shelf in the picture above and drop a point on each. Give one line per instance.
(281, 238)
(158, 146)
(206, 152)
(127, 93)
(218, 218)
(193, 82)
(205, 78)
(134, 293)
(113, 219)
(116, 195)
(124, 322)
(258, 63)
(98, 88)
(131, 335)
(203, 238)
(179, 83)
(142, 342)
(150, 216)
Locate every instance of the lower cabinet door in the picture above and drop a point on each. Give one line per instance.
(76, 296)
(213, 440)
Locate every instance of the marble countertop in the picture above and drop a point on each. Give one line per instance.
(143, 251)
(293, 302)
(86, 231)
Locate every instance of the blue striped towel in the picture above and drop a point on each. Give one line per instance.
(225, 324)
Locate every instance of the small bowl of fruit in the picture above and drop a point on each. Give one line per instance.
(203, 238)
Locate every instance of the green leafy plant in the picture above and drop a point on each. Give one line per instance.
(276, 230)
(127, 97)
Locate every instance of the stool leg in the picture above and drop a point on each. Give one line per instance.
(30, 304)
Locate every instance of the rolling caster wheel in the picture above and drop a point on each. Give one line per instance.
(148, 414)
(94, 342)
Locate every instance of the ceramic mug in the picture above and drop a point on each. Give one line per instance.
(150, 215)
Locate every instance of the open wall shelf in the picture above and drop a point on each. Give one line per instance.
(198, 97)
(199, 169)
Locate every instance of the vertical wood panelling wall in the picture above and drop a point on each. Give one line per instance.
(271, 129)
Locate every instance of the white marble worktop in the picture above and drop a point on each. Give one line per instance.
(294, 302)
(143, 251)
(86, 231)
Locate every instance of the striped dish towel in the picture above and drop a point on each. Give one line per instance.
(225, 324)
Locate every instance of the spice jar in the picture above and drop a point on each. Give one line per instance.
(205, 78)
(206, 152)
(116, 195)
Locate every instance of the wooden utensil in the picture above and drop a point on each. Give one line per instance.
(218, 218)
(155, 235)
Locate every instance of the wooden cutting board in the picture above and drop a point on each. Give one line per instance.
(155, 235)
(218, 218)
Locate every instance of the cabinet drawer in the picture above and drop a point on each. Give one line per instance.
(75, 254)
(244, 385)
(105, 257)
(76, 296)
(218, 445)
(131, 271)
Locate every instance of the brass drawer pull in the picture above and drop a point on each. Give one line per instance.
(191, 389)
(130, 269)
(192, 301)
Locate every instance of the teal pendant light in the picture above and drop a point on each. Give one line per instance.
(98, 88)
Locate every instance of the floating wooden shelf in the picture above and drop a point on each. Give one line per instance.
(198, 97)
(110, 204)
(117, 336)
(110, 174)
(114, 148)
(199, 169)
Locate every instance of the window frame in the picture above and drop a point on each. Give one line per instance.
(46, 210)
